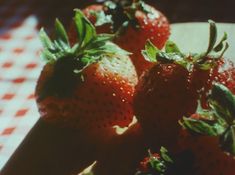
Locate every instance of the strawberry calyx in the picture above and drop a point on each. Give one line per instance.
(70, 61)
(155, 164)
(218, 120)
(121, 14)
(172, 53)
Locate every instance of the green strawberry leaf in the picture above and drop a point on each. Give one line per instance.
(156, 164)
(171, 47)
(203, 127)
(86, 31)
(170, 57)
(100, 40)
(227, 140)
(165, 155)
(45, 40)
(214, 52)
(220, 45)
(61, 34)
(48, 56)
(150, 52)
(213, 36)
(222, 96)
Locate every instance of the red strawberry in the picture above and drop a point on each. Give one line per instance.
(134, 23)
(89, 86)
(209, 128)
(155, 164)
(145, 22)
(170, 90)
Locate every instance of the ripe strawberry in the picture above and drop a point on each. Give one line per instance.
(134, 23)
(89, 86)
(167, 91)
(209, 128)
(155, 164)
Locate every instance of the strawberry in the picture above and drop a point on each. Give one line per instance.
(170, 89)
(210, 132)
(88, 86)
(133, 23)
(155, 164)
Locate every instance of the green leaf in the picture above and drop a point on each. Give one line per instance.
(150, 52)
(80, 28)
(213, 36)
(224, 98)
(111, 48)
(227, 141)
(86, 31)
(170, 57)
(171, 47)
(204, 127)
(45, 40)
(164, 154)
(207, 65)
(61, 34)
(220, 45)
(48, 56)
(99, 41)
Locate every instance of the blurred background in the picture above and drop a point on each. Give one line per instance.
(175, 10)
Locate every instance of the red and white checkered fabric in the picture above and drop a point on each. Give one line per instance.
(20, 66)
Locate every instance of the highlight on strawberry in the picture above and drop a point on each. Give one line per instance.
(133, 22)
(172, 87)
(89, 85)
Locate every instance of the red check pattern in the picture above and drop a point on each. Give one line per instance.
(20, 65)
(19, 68)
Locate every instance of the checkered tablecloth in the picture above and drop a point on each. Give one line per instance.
(20, 66)
(20, 63)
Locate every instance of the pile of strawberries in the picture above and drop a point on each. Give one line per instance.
(109, 80)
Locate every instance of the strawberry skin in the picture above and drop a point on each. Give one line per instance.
(161, 99)
(226, 74)
(156, 29)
